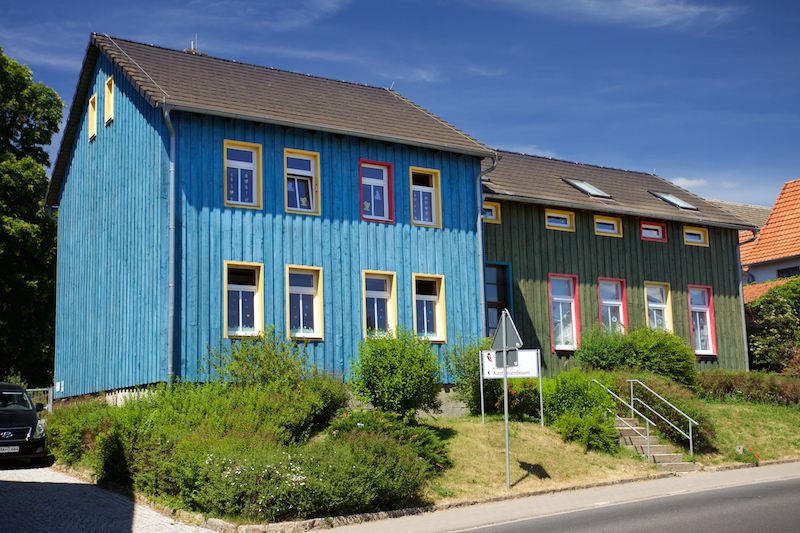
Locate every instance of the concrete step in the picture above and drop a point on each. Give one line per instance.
(667, 457)
(631, 432)
(636, 440)
(677, 467)
(660, 449)
(620, 422)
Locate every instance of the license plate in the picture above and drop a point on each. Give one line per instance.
(9, 449)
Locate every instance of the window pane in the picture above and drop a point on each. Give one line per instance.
(242, 276)
(430, 319)
(561, 287)
(366, 195)
(606, 227)
(298, 164)
(491, 274)
(377, 201)
(233, 184)
(376, 313)
(561, 222)
(693, 237)
(247, 186)
(291, 193)
(248, 313)
(420, 317)
(301, 280)
(562, 324)
(651, 233)
(416, 199)
(610, 291)
(493, 319)
(422, 180)
(371, 172)
(376, 284)
(657, 319)
(492, 294)
(656, 295)
(294, 313)
(426, 287)
(700, 330)
(246, 156)
(426, 213)
(303, 194)
(612, 316)
(698, 297)
(233, 311)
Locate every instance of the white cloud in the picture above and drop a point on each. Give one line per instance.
(483, 71)
(729, 184)
(529, 149)
(639, 13)
(272, 14)
(687, 183)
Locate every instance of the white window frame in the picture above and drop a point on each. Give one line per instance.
(311, 176)
(572, 303)
(390, 295)
(239, 166)
(614, 222)
(435, 197)
(568, 218)
(316, 294)
(665, 306)
(438, 303)
(706, 310)
(258, 300)
(384, 182)
(613, 303)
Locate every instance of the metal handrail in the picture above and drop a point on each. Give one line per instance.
(648, 422)
(47, 392)
(676, 428)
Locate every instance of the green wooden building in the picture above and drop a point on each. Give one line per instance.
(569, 246)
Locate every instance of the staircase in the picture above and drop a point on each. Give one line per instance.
(633, 437)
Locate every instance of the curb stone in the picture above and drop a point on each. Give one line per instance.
(316, 524)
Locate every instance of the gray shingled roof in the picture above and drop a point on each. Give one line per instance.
(539, 180)
(209, 85)
(756, 215)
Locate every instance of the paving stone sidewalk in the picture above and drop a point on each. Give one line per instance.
(46, 500)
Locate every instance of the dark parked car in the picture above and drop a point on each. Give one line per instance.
(21, 432)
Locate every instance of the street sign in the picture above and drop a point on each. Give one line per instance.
(506, 337)
(527, 364)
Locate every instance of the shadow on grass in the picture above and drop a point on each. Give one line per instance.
(531, 470)
(442, 433)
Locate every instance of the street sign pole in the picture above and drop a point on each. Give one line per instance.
(541, 397)
(483, 409)
(505, 405)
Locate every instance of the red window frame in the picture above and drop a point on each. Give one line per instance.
(576, 310)
(663, 230)
(389, 190)
(711, 320)
(624, 300)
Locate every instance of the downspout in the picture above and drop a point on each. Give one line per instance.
(49, 210)
(741, 300)
(171, 313)
(482, 289)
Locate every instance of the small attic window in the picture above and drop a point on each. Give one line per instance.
(674, 200)
(587, 188)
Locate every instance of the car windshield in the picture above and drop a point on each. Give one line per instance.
(14, 400)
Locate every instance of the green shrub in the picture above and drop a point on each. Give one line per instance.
(593, 430)
(644, 348)
(398, 374)
(263, 358)
(773, 330)
(422, 439)
(462, 359)
(72, 429)
(749, 387)
(110, 462)
(604, 349)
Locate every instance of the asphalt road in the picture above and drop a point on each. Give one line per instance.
(772, 506)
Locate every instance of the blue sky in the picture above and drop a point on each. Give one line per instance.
(706, 93)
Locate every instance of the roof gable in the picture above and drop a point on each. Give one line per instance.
(543, 180)
(780, 236)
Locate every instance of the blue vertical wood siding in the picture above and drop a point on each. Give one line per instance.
(111, 321)
(337, 240)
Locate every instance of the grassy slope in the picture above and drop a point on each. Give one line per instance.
(540, 460)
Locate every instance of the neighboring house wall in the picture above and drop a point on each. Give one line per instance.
(337, 240)
(535, 252)
(111, 328)
(761, 272)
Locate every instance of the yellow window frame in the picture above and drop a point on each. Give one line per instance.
(437, 194)
(319, 307)
(316, 187)
(441, 307)
(227, 143)
(258, 299)
(391, 305)
(617, 221)
(495, 206)
(570, 216)
(92, 117)
(694, 229)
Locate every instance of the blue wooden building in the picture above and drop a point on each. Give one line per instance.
(200, 200)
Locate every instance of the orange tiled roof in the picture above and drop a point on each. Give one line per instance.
(780, 237)
(751, 292)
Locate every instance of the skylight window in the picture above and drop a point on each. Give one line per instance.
(674, 200)
(587, 188)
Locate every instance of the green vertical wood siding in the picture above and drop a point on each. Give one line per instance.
(534, 252)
